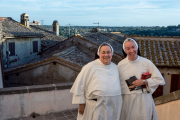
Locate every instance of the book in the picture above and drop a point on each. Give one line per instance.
(145, 76)
(130, 85)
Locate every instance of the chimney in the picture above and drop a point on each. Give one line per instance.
(125, 36)
(25, 19)
(56, 27)
(94, 30)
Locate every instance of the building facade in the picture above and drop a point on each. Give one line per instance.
(20, 44)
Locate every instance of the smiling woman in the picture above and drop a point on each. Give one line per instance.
(105, 53)
(138, 103)
(97, 88)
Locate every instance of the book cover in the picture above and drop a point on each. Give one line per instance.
(130, 85)
(145, 76)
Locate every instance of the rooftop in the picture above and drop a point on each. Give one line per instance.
(161, 52)
(12, 28)
(74, 55)
(98, 38)
(49, 38)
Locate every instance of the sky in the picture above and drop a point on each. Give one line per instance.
(87, 12)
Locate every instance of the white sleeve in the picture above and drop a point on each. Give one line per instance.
(78, 99)
(80, 85)
(156, 78)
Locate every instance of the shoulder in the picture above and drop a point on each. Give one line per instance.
(89, 65)
(113, 64)
(145, 60)
(123, 61)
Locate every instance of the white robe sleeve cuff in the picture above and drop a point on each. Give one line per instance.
(78, 99)
(152, 85)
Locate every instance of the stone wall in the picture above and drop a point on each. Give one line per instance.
(41, 99)
(23, 50)
(168, 106)
(45, 73)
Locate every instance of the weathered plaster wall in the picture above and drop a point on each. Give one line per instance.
(49, 73)
(167, 86)
(23, 50)
(168, 106)
(44, 101)
(169, 111)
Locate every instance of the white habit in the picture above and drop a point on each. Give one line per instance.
(138, 105)
(101, 82)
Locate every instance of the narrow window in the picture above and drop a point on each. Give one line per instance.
(175, 82)
(35, 46)
(12, 48)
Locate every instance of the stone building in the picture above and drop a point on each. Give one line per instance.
(62, 62)
(20, 43)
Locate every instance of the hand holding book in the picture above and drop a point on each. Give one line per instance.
(135, 84)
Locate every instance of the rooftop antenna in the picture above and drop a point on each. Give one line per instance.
(98, 30)
(98, 25)
(42, 22)
(69, 30)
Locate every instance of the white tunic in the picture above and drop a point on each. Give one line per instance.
(101, 82)
(138, 105)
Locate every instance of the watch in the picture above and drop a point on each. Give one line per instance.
(144, 82)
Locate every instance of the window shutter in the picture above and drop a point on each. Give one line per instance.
(159, 90)
(35, 46)
(175, 81)
(12, 48)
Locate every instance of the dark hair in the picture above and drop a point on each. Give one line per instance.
(138, 51)
(97, 56)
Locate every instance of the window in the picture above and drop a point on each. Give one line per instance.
(35, 46)
(12, 48)
(175, 82)
(159, 90)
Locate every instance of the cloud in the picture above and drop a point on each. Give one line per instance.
(112, 12)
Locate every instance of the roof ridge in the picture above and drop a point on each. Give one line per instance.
(42, 61)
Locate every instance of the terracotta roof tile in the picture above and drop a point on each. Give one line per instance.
(160, 52)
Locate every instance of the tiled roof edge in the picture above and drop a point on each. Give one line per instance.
(155, 36)
(54, 45)
(53, 58)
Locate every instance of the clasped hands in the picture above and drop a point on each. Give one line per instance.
(138, 82)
